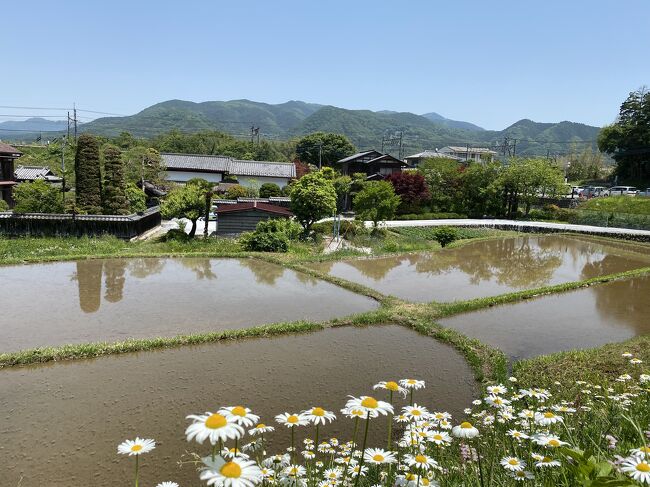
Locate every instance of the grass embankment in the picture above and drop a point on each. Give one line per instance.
(618, 204)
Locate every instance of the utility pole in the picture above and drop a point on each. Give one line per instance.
(255, 131)
(320, 156)
(63, 169)
(68, 124)
(74, 111)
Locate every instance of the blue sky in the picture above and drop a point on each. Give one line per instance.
(490, 63)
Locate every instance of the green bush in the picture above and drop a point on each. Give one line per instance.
(176, 235)
(265, 241)
(137, 198)
(445, 235)
(38, 197)
(618, 204)
(4, 206)
(239, 191)
(268, 190)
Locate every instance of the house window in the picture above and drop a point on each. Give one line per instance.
(385, 171)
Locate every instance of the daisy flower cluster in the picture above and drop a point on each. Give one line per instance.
(511, 435)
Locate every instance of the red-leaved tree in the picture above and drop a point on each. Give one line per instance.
(413, 189)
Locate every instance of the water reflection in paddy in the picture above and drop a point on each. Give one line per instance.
(489, 267)
(113, 299)
(584, 318)
(61, 423)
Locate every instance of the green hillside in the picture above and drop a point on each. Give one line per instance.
(364, 127)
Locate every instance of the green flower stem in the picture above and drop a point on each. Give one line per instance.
(363, 450)
(390, 422)
(137, 469)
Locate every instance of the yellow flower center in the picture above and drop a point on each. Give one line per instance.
(392, 386)
(547, 460)
(239, 411)
(370, 403)
(643, 467)
(332, 475)
(215, 421)
(230, 470)
(645, 449)
(378, 458)
(439, 416)
(421, 459)
(553, 442)
(318, 412)
(466, 425)
(437, 437)
(136, 448)
(424, 481)
(411, 381)
(415, 412)
(512, 461)
(549, 415)
(260, 426)
(293, 419)
(410, 476)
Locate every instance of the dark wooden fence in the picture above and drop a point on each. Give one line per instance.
(65, 225)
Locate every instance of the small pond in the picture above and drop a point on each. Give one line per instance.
(584, 318)
(490, 267)
(60, 423)
(115, 299)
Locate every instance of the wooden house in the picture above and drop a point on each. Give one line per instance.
(8, 155)
(372, 163)
(233, 219)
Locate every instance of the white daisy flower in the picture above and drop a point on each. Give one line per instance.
(546, 462)
(379, 456)
(637, 468)
(412, 383)
(370, 405)
(289, 420)
(240, 415)
(518, 434)
(522, 475)
(213, 426)
(497, 390)
(496, 401)
(391, 386)
(547, 418)
(464, 430)
(261, 429)
(642, 451)
(513, 464)
(358, 470)
(440, 438)
(167, 484)
(332, 473)
(551, 441)
(318, 415)
(440, 415)
(421, 461)
(415, 412)
(237, 472)
(136, 447)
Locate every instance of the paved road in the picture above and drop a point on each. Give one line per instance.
(523, 227)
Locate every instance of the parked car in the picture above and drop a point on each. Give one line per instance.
(645, 193)
(593, 191)
(576, 191)
(621, 191)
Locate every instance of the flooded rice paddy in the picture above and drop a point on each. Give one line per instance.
(584, 318)
(115, 299)
(60, 423)
(489, 267)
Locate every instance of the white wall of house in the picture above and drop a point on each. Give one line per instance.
(257, 181)
(184, 176)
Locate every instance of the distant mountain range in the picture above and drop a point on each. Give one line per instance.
(35, 124)
(295, 118)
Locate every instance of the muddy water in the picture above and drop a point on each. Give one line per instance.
(490, 267)
(114, 299)
(60, 424)
(584, 318)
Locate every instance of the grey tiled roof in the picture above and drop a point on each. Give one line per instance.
(30, 173)
(225, 164)
(358, 154)
(262, 168)
(427, 154)
(196, 162)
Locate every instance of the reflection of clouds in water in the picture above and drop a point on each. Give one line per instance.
(625, 301)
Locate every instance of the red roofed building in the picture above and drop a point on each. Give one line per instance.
(233, 219)
(8, 155)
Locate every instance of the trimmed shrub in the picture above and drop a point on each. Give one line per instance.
(136, 197)
(115, 201)
(430, 216)
(88, 191)
(38, 197)
(445, 235)
(268, 190)
(265, 241)
(240, 191)
(4, 206)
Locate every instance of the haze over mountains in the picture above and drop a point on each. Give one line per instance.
(295, 118)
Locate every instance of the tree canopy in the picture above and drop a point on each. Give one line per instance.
(38, 197)
(313, 197)
(376, 202)
(628, 139)
(324, 147)
(115, 201)
(186, 202)
(88, 175)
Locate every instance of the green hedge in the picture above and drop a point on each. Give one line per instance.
(429, 216)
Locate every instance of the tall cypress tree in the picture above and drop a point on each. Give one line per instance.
(115, 201)
(88, 193)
